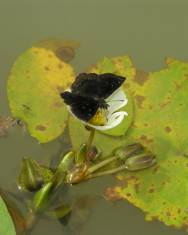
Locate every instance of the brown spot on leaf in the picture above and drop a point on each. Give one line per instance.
(141, 77)
(36, 52)
(40, 128)
(164, 183)
(137, 187)
(150, 107)
(155, 169)
(163, 104)
(128, 194)
(168, 213)
(60, 66)
(145, 139)
(151, 190)
(132, 178)
(134, 125)
(127, 85)
(119, 60)
(139, 99)
(168, 129)
(122, 183)
(46, 68)
(154, 217)
(177, 85)
(65, 53)
(57, 104)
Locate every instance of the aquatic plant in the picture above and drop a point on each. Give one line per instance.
(153, 135)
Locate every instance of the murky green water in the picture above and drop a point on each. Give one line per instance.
(147, 30)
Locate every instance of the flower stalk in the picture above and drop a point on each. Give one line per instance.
(89, 142)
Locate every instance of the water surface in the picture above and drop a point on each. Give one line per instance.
(147, 30)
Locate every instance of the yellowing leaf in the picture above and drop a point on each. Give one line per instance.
(160, 123)
(34, 85)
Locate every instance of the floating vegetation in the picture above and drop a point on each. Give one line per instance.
(120, 121)
(5, 124)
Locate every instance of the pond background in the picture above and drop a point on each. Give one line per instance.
(147, 30)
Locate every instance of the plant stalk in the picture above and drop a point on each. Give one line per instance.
(89, 142)
(101, 164)
(107, 172)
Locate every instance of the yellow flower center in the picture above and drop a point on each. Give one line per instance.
(100, 118)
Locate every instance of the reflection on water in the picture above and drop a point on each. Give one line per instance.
(146, 30)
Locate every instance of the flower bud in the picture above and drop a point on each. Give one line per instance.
(30, 178)
(128, 151)
(93, 153)
(139, 162)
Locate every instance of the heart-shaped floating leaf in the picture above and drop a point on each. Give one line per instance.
(161, 111)
(35, 82)
(6, 223)
(124, 67)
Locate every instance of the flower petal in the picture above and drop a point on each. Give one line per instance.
(114, 120)
(116, 101)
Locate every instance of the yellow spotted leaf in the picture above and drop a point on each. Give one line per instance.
(34, 85)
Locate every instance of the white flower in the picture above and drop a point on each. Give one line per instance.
(116, 101)
(113, 118)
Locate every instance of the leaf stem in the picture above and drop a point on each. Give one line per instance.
(101, 164)
(107, 172)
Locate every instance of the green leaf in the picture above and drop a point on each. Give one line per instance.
(124, 67)
(34, 85)
(80, 155)
(6, 223)
(62, 169)
(160, 124)
(42, 197)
